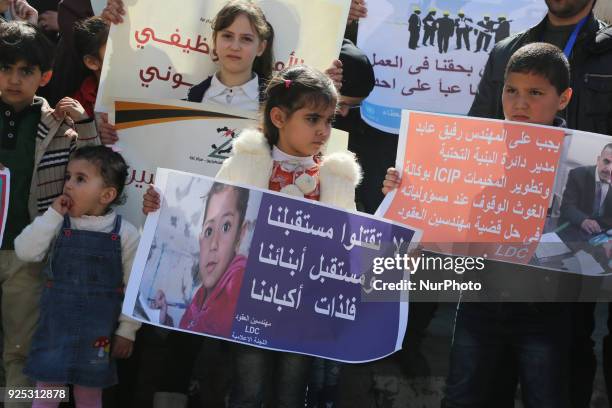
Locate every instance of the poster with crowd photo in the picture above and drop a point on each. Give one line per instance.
(265, 269)
(5, 186)
(430, 55)
(185, 136)
(163, 48)
(509, 191)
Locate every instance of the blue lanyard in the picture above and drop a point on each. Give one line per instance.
(572, 40)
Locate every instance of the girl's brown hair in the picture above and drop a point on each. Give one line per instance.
(292, 89)
(226, 16)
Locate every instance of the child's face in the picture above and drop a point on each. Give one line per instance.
(238, 45)
(19, 83)
(532, 98)
(304, 132)
(94, 63)
(85, 187)
(220, 236)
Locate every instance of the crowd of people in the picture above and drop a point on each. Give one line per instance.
(67, 254)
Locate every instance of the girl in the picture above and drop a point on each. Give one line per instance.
(78, 66)
(285, 156)
(90, 252)
(90, 37)
(221, 267)
(243, 43)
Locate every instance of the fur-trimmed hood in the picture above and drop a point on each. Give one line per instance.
(251, 163)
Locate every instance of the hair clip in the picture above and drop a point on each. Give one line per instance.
(287, 83)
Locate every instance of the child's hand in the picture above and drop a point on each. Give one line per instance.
(113, 11)
(121, 347)
(107, 131)
(358, 10)
(62, 204)
(150, 201)
(70, 107)
(334, 72)
(392, 180)
(160, 303)
(20, 9)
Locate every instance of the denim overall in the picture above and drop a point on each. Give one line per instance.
(79, 309)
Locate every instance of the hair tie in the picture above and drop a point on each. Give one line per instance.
(287, 83)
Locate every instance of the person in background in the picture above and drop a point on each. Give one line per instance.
(90, 37)
(67, 65)
(357, 83)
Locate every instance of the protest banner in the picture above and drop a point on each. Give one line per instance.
(481, 186)
(5, 189)
(429, 56)
(265, 269)
(184, 136)
(161, 54)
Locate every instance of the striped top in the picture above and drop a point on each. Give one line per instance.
(55, 141)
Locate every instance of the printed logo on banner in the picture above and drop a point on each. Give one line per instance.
(222, 151)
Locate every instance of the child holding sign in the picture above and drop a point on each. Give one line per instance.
(297, 116)
(533, 337)
(243, 43)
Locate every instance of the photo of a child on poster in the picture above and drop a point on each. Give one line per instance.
(211, 268)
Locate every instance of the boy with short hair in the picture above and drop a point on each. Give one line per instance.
(534, 335)
(35, 144)
(536, 88)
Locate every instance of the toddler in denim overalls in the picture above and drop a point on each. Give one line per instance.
(90, 252)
